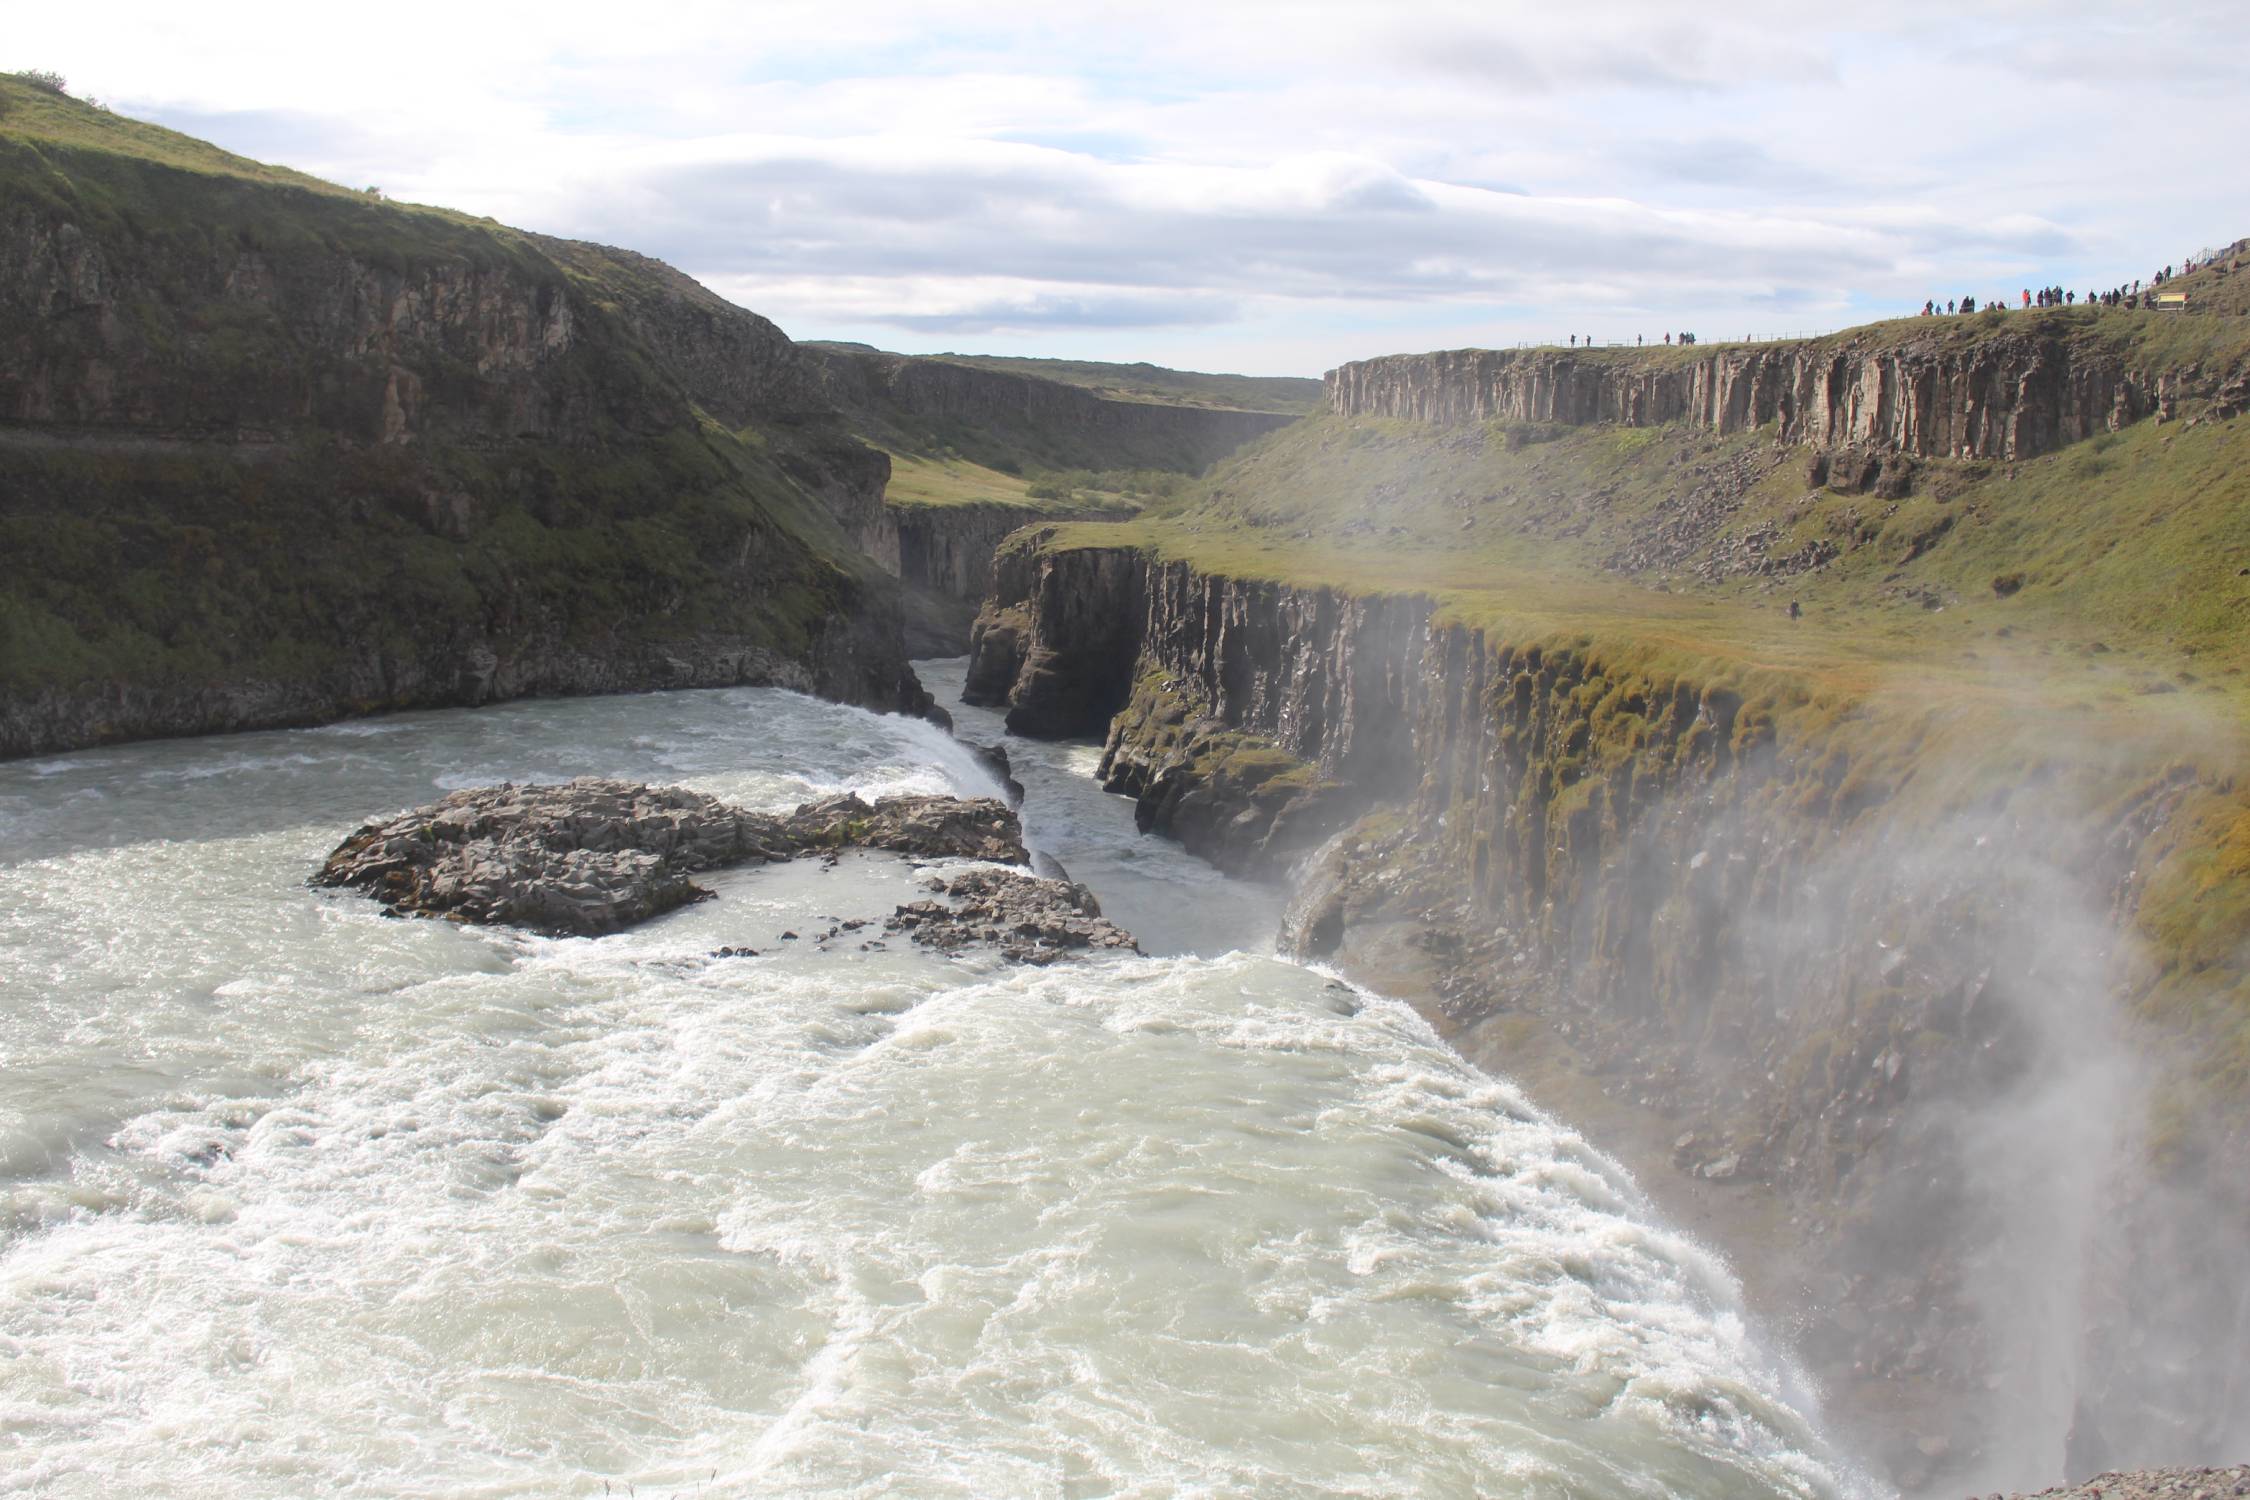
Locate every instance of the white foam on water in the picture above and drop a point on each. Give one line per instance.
(295, 1199)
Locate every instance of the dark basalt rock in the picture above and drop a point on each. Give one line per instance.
(932, 827)
(994, 758)
(592, 856)
(1029, 920)
(1056, 645)
(589, 856)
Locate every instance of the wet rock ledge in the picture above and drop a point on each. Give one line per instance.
(590, 856)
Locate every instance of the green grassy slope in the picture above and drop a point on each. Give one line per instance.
(929, 482)
(2134, 540)
(30, 111)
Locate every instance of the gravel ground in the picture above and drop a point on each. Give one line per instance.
(2154, 1484)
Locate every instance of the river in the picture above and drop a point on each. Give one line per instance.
(296, 1199)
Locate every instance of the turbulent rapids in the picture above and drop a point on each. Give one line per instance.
(295, 1198)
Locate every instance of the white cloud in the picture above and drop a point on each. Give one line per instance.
(1256, 181)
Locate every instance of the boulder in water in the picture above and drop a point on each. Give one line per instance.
(932, 827)
(1027, 919)
(592, 856)
(588, 856)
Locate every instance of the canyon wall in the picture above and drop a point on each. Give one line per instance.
(739, 368)
(948, 549)
(1820, 998)
(101, 332)
(2026, 386)
(272, 453)
(1013, 424)
(733, 363)
(1017, 421)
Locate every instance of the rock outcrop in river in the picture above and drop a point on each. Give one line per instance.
(1025, 918)
(592, 856)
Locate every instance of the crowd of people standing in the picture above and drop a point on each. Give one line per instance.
(2130, 295)
(2055, 296)
(1639, 340)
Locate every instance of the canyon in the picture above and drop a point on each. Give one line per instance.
(274, 452)
(1803, 941)
(1000, 426)
(1813, 766)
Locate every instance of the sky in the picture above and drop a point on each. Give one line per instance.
(1238, 185)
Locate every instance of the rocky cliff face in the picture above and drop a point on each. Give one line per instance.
(2011, 392)
(1058, 640)
(467, 345)
(1824, 1005)
(731, 362)
(739, 368)
(992, 415)
(271, 453)
(462, 664)
(946, 549)
(944, 555)
(1012, 423)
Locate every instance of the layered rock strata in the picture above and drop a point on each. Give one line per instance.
(1013, 423)
(1056, 642)
(1234, 798)
(2007, 392)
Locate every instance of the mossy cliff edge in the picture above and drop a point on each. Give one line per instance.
(1794, 836)
(274, 452)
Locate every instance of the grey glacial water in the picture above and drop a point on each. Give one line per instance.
(295, 1199)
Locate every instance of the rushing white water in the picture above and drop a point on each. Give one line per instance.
(295, 1199)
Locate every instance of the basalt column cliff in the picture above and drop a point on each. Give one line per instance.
(1925, 393)
(273, 452)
